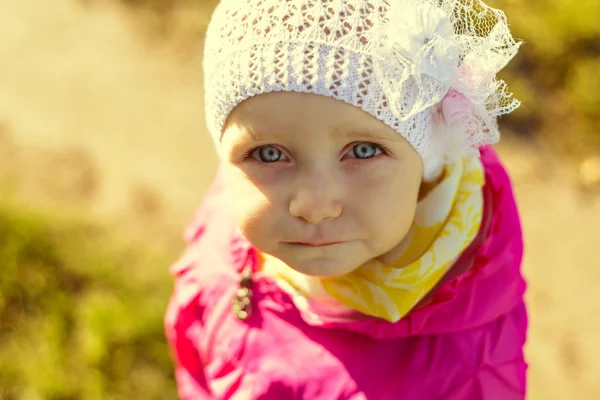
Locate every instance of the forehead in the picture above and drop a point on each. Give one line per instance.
(285, 113)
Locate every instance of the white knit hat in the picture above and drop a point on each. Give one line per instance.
(426, 68)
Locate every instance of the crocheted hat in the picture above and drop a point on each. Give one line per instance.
(426, 68)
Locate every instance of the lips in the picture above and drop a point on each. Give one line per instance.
(314, 244)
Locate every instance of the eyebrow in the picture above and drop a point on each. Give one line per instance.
(367, 133)
(263, 134)
(341, 132)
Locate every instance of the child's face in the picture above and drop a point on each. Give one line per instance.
(318, 183)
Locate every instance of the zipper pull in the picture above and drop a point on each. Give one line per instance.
(242, 302)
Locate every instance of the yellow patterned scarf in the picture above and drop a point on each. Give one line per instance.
(447, 220)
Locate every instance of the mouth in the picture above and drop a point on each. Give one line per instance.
(313, 244)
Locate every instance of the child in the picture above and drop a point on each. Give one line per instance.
(361, 240)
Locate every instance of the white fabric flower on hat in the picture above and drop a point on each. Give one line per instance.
(424, 34)
(418, 54)
(446, 53)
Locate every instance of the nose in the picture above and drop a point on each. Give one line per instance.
(316, 198)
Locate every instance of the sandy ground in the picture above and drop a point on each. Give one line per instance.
(93, 117)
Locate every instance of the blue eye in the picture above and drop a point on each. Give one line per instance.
(268, 154)
(365, 150)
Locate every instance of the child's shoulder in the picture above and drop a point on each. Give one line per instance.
(214, 254)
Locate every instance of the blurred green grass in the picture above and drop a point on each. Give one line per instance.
(556, 73)
(81, 311)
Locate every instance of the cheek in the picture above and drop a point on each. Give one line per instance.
(255, 207)
(386, 204)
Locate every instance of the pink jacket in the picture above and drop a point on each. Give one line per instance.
(465, 342)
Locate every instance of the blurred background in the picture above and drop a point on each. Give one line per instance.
(103, 158)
